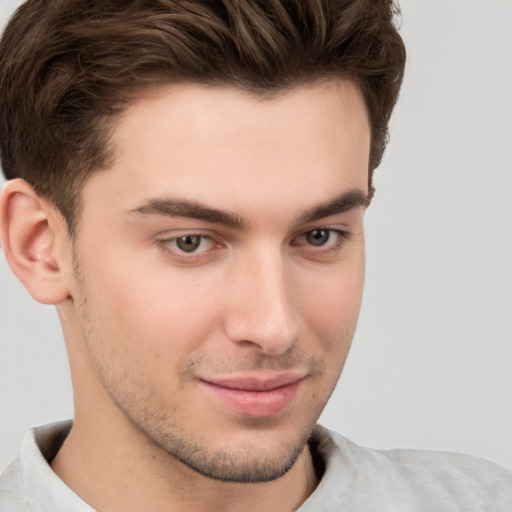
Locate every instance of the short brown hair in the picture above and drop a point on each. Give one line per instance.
(67, 67)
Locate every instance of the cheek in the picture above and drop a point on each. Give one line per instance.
(157, 313)
(331, 319)
(331, 304)
(141, 332)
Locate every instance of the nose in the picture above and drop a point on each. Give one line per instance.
(261, 310)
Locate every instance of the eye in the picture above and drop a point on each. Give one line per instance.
(323, 237)
(322, 242)
(317, 237)
(188, 245)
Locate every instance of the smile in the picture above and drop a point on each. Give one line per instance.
(256, 397)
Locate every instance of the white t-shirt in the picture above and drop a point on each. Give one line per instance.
(358, 479)
(355, 479)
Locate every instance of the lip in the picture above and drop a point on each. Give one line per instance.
(256, 396)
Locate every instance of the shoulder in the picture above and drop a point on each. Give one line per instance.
(410, 480)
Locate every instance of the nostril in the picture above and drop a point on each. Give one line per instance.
(247, 343)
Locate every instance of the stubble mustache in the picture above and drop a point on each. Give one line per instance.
(254, 362)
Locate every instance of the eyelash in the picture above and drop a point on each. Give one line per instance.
(327, 249)
(184, 256)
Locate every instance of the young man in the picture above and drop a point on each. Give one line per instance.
(186, 183)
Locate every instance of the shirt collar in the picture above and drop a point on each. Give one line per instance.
(43, 488)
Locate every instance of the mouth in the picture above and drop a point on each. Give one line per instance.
(256, 396)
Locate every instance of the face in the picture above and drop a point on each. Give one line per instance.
(218, 272)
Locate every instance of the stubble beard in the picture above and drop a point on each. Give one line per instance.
(242, 465)
(249, 463)
(132, 396)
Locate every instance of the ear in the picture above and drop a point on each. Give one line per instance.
(35, 242)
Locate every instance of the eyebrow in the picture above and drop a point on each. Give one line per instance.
(192, 209)
(172, 207)
(346, 201)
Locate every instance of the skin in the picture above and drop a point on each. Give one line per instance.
(271, 287)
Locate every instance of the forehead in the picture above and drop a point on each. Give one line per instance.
(221, 145)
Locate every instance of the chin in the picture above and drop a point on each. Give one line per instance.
(243, 466)
(247, 455)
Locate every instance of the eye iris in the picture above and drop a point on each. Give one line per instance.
(318, 237)
(188, 243)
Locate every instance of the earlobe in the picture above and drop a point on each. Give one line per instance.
(32, 239)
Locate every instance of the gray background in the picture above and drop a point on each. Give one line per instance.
(431, 365)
